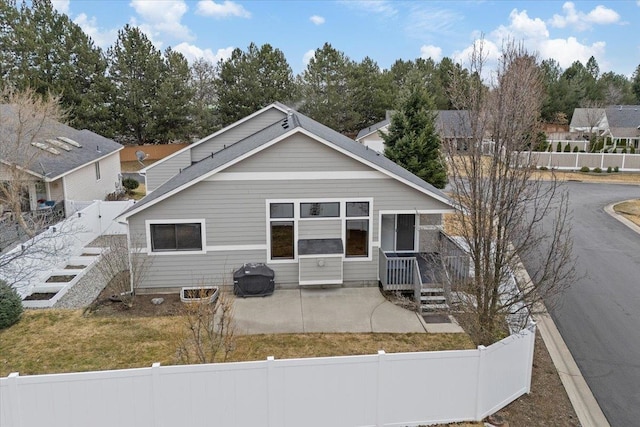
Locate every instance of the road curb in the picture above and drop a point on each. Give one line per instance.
(609, 209)
(584, 403)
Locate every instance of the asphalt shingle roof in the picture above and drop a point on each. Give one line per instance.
(50, 165)
(449, 124)
(281, 127)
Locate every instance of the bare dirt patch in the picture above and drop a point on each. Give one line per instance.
(105, 306)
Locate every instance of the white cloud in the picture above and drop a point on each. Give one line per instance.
(566, 51)
(522, 27)
(600, 15)
(381, 7)
(61, 6)
(316, 19)
(221, 10)
(490, 52)
(163, 19)
(430, 51)
(102, 38)
(424, 22)
(192, 52)
(308, 55)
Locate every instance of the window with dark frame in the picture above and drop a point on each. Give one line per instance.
(176, 237)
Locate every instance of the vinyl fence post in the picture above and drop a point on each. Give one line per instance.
(155, 394)
(271, 414)
(14, 393)
(381, 386)
(480, 388)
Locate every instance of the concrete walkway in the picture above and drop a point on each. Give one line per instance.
(329, 310)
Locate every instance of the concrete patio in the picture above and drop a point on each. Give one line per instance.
(329, 310)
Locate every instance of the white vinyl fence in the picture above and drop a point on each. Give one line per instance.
(575, 161)
(401, 389)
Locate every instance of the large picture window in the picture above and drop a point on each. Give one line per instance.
(176, 237)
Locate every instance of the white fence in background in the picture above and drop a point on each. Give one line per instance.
(33, 261)
(401, 389)
(575, 161)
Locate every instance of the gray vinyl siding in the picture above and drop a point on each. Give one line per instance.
(298, 153)
(236, 134)
(158, 174)
(362, 273)
(326, 268)
(320, 229)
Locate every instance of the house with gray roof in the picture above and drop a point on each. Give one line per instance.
(59, 165)
(453, 126)
(316, 207)
(623, 125)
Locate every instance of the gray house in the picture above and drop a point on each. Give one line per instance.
(315, 206)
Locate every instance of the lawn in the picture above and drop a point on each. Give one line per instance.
(630, 210)
(55, 341)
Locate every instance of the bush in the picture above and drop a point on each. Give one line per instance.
(609, 169)
(10, 305)
(624, 151)
(616, 169)
(584, 169)
(575, 149)
(567, 148)
(597, 170)
(632, 150)
(130, 184)
(559, 147)
(543, 168)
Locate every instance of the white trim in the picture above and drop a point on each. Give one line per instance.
(295, 176)
(320, 256)
(213, 135)
(225, 248)
(203, 235)
(359, 139)
(319, 282)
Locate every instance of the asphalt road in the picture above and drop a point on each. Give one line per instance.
(599, 316)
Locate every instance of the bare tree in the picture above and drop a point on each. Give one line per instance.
(208, 333)
(122, 268)
(504, 205)
(593, 114)
(26, 118)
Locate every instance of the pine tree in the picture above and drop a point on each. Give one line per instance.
(413, 142)
(205, 119)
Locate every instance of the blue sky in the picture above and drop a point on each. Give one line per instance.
(382, 30)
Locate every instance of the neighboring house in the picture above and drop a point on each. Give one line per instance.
(315, 206)
(159, 172)
(453, 126)
(621, 123)
(66, 166)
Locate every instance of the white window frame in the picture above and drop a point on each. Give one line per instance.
(203, 234)
(296, 220)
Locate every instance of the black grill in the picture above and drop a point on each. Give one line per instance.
(253, 280)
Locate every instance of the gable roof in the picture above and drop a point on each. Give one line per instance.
(276, 105)
(624, 121)
(293, 123)
(449, 124)
(587, 118)
(51, 166)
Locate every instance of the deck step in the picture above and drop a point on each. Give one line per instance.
(431, 298)
(434, 307)
(433, 290)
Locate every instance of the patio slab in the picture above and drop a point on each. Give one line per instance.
(325, 310)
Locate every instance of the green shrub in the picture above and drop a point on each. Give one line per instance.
(544, 168)
(10, 305)
(624, 150)
(559, 147)
(567, 148)
(632, 150)
(575, 149)
(584, 169)
(609, 169)
(130, 184)
(597, 170)
(616, 169)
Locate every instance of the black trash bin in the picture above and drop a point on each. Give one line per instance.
(253, 280)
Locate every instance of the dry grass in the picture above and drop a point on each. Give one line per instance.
(135, 166)
(608, 178)
(139, 192)
(630, 210)
(55, 341)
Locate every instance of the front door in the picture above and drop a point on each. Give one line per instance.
(398, 233)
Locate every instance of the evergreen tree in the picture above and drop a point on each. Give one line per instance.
(135, 68)
(369, 94)
(636, 83)
(172, 108)
(412, 141)
(325, 88)
(251, 80)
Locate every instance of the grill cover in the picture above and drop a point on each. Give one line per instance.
(253, 280)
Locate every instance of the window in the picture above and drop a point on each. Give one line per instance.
(282, 240)
(357, 229)
(320, 210)
(176, 237)
(282, 232)
(97, 171)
